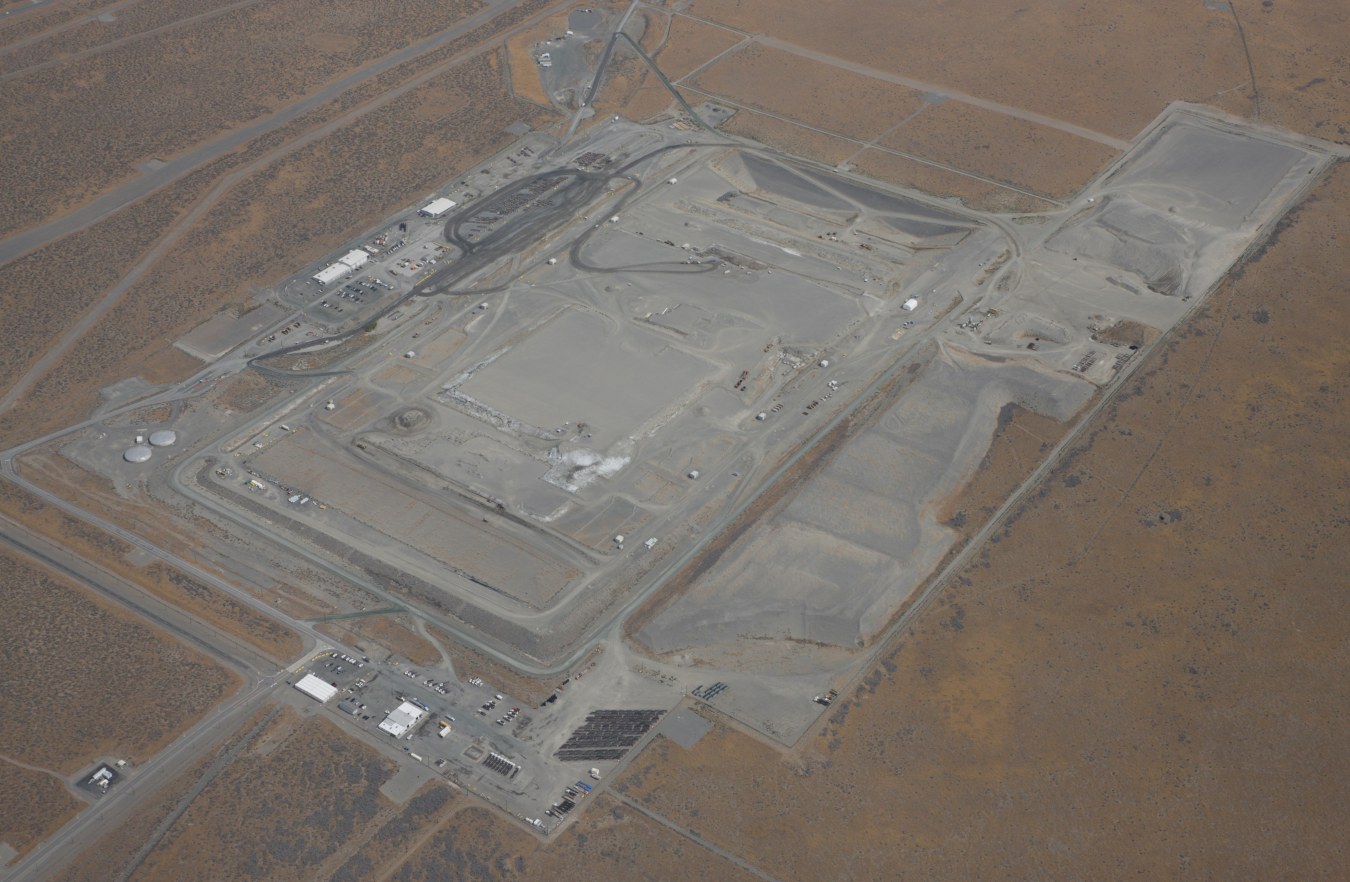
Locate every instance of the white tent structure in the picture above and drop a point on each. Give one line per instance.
(316, 688)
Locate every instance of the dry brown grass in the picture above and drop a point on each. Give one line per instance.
(789, 137)
(43, 292)
(395, 633)
(82, 678)
(1026, 155)
(279, 218)
(524, 72)
(1298, 52)
(471, 663)
(691, 43)
(808, 91)
(106, 859)
(1142, 676)
(687, 44)
(946, 184)
(611, 841)
(1111, 67)
(284, 805)
(33, 806)
(107, 551)
(396, 836)
(250, 390)
(85, 124)
(22, 27)
(133, 21)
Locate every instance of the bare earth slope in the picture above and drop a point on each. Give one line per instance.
(1158, 696)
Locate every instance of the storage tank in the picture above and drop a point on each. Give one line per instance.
(139, 453)
(163, 438)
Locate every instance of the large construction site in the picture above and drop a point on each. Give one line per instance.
(644, 428)
(703, 406)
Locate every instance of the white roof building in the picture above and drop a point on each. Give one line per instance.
(401, 720)
(316, 688)
(438, 208)
(910, 305)
(354, 259)
(331, 273)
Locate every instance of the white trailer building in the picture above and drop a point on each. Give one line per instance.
(438, 208)
(354, 259)
(316, 688)
(331, 273)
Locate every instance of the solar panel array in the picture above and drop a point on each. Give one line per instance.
(608, 735)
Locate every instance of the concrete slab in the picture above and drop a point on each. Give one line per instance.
(217, 336)
(409, 779)
(685, 727)
(581, 368)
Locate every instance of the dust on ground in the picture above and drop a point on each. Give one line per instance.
(469, 662)
(682, 44)
(1017, 152)
(1140, 673)
(395, 633)
(82, 678)
(808, 91)
(977, 194)
(790, 137)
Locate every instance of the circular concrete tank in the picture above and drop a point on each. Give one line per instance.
(163, 438)
(139, 453)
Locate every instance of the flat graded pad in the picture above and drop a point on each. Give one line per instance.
(579, 369)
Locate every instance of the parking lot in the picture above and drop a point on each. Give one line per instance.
(526, 760)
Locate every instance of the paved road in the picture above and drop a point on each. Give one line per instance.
(183, 224)
(586, 100)
(260, 680)
(112, 44)
(138, 189)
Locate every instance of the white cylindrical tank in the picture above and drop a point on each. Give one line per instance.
(139, 453)
(163, 438)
